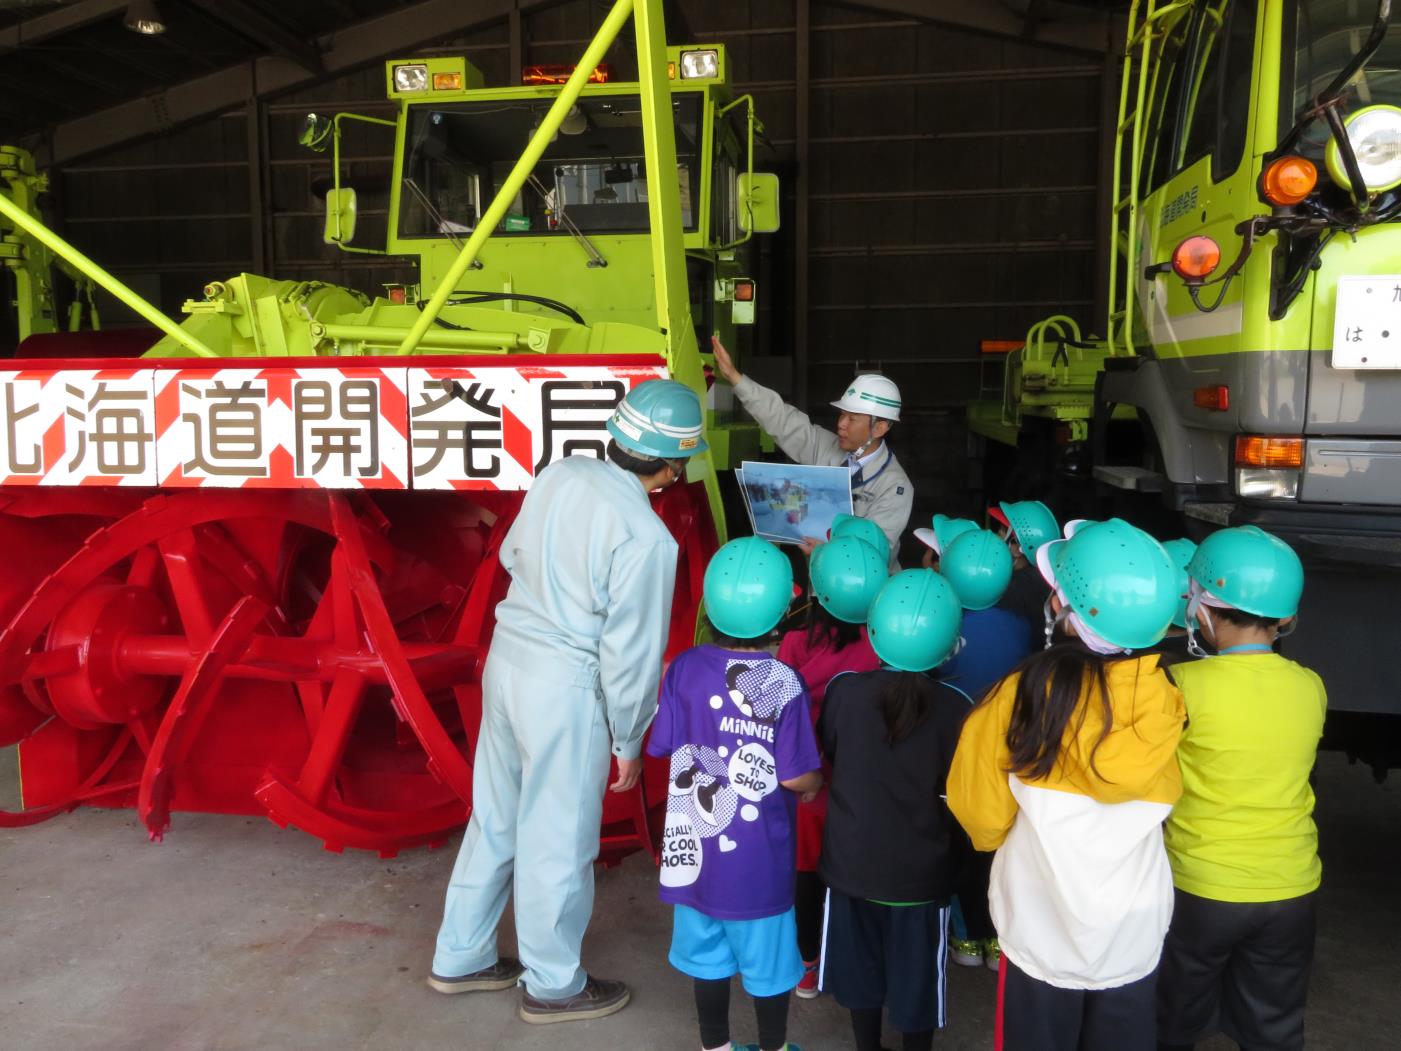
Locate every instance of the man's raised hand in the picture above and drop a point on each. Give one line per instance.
(724, 364)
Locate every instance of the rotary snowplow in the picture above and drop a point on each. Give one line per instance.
(254, 571)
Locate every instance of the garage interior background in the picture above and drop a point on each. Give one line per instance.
(942, 161)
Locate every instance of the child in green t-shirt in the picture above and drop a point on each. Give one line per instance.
(1241, 840)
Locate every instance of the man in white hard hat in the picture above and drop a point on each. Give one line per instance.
(880, 488)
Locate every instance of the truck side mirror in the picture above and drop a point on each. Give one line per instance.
(316, 133)
(758, 202)
(340, 216)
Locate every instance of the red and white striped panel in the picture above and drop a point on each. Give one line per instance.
(281, 427)
(77, 427)
(496, 428)
(285, 427)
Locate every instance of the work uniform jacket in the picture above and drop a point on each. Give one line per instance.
(882, 493)
(592, 572)
(574, 661)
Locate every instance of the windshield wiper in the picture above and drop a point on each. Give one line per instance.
(595, 256)
(444, 225)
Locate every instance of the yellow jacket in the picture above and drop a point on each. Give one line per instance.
(1081, 891)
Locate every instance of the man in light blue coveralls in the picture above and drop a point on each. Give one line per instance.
(574, 662)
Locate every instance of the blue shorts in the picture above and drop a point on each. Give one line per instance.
(764, 952)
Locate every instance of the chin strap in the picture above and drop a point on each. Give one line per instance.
(1053, 620)
(1196, 607)
(855, 455)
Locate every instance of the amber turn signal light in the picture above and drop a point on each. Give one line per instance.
(1195, 258)
(1253, 450)
(1288, 180)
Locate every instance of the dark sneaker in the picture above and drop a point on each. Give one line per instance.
(503, 974)
(598, 999)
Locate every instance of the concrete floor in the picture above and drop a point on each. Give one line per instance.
(234, 934)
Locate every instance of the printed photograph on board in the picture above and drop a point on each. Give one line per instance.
(789, 502)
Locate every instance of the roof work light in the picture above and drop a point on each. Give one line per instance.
(700, 65)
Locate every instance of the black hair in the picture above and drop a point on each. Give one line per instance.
(823, 629)
(905, 703)
(1049, 686)
(642, 466)
(731, 642)
(1241, 619)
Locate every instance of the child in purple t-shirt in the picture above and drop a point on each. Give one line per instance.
(734, 722)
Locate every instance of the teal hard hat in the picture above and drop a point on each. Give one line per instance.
(947, 530)
(1250, 569)
(748, 587)
(863, 529)
(979, 567)
(1117, 579)
(1181, 552)
(915, 620)
(660, 418)
(944, 532)
(846, 575)
(1032, 523)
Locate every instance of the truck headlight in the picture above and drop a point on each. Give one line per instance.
(700, 65)
(411, 78)
(1375, 135)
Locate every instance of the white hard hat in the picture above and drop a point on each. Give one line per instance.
(872, 395)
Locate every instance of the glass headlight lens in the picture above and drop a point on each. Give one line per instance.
(700, 65)
(1375, 135)
(410, 78)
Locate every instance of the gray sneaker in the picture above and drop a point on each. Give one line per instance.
(503, 974)
(597, 999)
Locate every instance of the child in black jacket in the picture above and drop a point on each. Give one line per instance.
(892, 852)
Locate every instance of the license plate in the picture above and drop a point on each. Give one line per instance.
(1367, 322)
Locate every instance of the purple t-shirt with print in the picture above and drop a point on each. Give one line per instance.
(734, 724)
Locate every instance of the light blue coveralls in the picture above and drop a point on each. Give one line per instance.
(575, 660)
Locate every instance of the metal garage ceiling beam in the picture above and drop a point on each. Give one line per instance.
(397, 32)
(1095, 33)
(259, 28)
(65, 20)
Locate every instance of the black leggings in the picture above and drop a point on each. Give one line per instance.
(973, 897)
(713, 1010)
(808, 905)
(865, 1026)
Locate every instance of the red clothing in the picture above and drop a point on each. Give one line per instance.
(819, 666)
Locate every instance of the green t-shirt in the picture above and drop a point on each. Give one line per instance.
(1243, 829)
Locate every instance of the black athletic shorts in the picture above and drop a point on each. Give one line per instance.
(890, 956)
(1240, 967)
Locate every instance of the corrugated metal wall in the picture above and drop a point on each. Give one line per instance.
(950, 189)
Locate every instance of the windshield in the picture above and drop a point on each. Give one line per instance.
(592, 176)
(1327, 33)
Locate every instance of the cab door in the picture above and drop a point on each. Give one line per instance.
(1199, 179)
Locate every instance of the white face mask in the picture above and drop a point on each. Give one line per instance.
(1199, 603)
(1194, 645)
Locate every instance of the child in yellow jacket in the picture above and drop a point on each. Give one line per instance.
(1068, 771)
